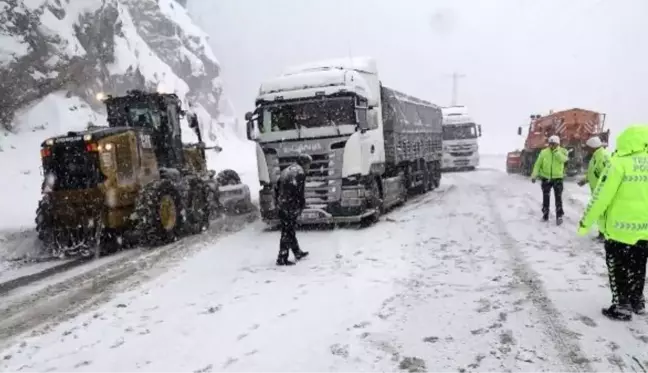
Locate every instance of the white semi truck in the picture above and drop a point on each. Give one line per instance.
(370, 144)
(460, 139)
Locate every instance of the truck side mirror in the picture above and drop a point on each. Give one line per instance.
(251, 135)
(193, 122)
(479, 129)
(248, 116)
(519, 131)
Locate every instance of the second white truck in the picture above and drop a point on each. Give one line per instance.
(460, 139)
(370, 145)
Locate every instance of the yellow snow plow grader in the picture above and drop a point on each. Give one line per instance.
(132, 182)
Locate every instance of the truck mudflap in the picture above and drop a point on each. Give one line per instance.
(313, 216)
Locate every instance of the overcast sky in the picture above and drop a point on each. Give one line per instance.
(518, 57)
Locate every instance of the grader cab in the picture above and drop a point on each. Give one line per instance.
(133, 182)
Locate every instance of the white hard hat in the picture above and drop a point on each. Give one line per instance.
(594, 142)
(554, 139)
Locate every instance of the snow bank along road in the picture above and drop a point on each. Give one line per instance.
(465, 278)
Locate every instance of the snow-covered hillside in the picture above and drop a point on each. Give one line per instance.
(55, 56)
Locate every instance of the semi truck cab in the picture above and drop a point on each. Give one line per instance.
(330, 111)
(370, 144)
(460, 139)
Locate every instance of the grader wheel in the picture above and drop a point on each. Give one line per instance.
(198, 209)
(158, 209)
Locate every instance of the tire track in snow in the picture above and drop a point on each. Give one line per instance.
(66, 299)
(605, 339)
(416, 202)
(565, 340)
(456, 308)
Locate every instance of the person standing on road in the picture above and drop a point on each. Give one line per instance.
(620, 201)
(598, 162)
(550, 169)
(291, 200)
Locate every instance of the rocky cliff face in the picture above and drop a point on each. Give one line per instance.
(57, 55)
(84, 47)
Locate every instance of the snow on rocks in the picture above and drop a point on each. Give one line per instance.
(121, 59)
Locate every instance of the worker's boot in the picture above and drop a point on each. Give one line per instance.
(299, 255)
(559, 220)
(282, 259)
(618, 312)
(639, 305)
(639, 308)
(284, 262)
(600, 237)
(545, 216)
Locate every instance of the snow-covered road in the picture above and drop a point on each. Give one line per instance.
(465, 278)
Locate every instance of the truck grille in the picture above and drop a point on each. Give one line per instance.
(461, 154)
(321, 178)
(461, 148)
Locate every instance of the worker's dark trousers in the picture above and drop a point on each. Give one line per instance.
(627, 272)
(288, 239)
(547, 185)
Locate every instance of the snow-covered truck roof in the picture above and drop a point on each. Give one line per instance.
(454, 110)
(453, 115)
(411, 99)
(360, 64)
(313, 83)
(455, 119)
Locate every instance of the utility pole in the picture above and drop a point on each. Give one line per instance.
(455, 87)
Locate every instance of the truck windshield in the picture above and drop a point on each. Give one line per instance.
(459, 131)
(308, 114)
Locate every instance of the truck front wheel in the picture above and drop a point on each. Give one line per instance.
(375, 201)
(435, 174)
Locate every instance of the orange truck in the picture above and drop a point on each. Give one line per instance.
(573, 126)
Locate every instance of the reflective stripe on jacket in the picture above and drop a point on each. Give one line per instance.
(621, 195)
(596, 165)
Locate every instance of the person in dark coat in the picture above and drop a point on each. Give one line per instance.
(291, 201)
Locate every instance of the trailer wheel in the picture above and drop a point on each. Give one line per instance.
(158, 208)
(228, 177)
(436, 174)
(403, 185)
(429, 176)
